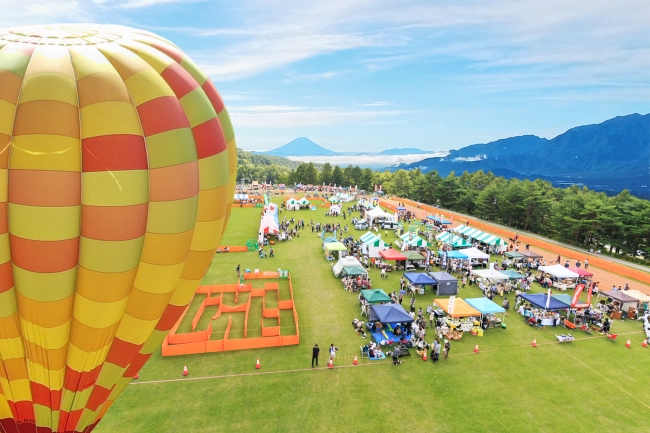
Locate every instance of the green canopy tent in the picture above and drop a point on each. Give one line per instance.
(514, 255)
(512, 275)
(354, 271)
(413, 255)
(375, 296)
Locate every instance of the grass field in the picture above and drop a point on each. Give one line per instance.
(589, 385)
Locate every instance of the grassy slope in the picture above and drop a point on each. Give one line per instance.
(588, 385)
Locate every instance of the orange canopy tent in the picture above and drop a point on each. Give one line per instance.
(461, 308)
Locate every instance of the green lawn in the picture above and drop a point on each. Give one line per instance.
(589, 385)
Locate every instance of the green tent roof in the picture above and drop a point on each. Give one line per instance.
(413, 255)
(375, 296)
(354, 270)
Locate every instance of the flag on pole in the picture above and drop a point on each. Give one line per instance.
(548, 299)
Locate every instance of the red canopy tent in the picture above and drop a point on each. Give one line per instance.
(581, 272)
(391, 254)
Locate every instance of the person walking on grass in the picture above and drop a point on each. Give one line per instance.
(447, 348)
(333, 352)
(314, 355)
(238, 270)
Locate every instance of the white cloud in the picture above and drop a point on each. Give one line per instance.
(376, 104)
(275, 116)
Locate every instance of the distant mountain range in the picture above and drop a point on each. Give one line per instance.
(609, 156)
(303, 146)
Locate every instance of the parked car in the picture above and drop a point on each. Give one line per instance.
(361, 225)
(390, 225)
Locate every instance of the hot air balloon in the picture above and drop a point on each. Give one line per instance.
(117, 170)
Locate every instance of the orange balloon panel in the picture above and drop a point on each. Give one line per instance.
(117, 169)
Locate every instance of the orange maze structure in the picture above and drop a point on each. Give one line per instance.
(199, 341)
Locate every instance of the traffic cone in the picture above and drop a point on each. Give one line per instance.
(424, 357)
(476, 349)
(645, 343)
(185, 372)
(628, 345)
(330, 364)
(137, 376)
(355, 362)
(257, 364)
(534, 342)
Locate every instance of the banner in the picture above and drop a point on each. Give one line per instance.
(577, 294)
(548, 299)
(452, 300)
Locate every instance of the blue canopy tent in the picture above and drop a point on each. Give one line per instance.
(485, 306)
(329, 239)
(539, 300)
(420, 279)
(389, 313)
(453, 254)
(438, 219)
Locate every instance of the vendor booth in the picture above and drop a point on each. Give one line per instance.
(385, 318)
(446, 284)
(391, 254)
(512, 275)
(514, 255)
(581, 272)
(624, 303)
(480, 236)
(335, 209)
(292, 204)
(373, 243)
(545, 304)
(642, 297)
(377, 213)
(454, 240)
(475, 254)
(345, 262)
(565, 279)
(459, 308)
(418, 281)
(453, 254)
(489, 311)
(490, 274)
(375, 296)
(334, 246)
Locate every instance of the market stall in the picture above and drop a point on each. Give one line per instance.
(512, 275)
(292, 204)
(375, 296)
(373, 244)
(563, 278)
(620, 303)
(331, 247)
(489, 311)
(446, 284)
(582, 273)
(418, 281)
(384, 319)
(490, 274)
(461, 317)
(545, 304)
(453, 240)
(348, 261)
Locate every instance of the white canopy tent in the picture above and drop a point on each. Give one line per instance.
(377, 213)
(475, 253)
(292, 204)
(490, 274)
(373, 244)
(344, 262)
(335, 208)
(558, 271)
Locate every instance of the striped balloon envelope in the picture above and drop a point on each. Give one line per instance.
(117, 170)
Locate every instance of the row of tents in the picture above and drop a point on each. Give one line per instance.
(383, 311)
(296, 204)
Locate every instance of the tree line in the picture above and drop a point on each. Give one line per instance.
(618, 225)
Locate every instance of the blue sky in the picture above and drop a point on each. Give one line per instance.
(371, 75)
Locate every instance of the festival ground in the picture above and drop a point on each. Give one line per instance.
(591, 384)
